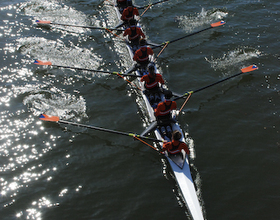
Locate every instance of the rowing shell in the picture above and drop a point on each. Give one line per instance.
(179, 163)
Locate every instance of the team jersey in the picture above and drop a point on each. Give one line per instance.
(152, 83)
(175, 147)
(129, 13)
(164, 108)
(142, 54)
(134, 33)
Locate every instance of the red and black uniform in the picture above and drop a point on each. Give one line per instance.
(163, 110)
(151, 82)
(175, 147)
(134, 33)
(141, 56)
(129, 13)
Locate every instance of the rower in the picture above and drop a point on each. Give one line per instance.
(153, 82)
(130, 12)
(142, 58)
(176, 145)
(163, 110)
(142, 55)
(163, 114)
(134, 33)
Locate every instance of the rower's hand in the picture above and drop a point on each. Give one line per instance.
(174, 114)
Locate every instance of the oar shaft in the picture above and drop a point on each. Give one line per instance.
(244, 70)
(91, 127)
(189, 35)
(72, 25)
(39, 62)
(217, 24)
(107, 130)
(80, 26)
(205, 87)
(91, 70)
(78, 68)
(220, 81)
(155, 3)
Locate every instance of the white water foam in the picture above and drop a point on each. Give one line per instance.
(58, 53)
(234, 57)
(190, 22)
(57, 12)
(56, 102)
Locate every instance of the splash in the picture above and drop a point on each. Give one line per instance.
(57, 52)
(56, 12)
(56, 102)
(233, 58)
(188, 23)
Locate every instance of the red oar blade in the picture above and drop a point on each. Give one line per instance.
(42, 22)
(45, 117)
(249, 69)
(217, 24)
(39, 62)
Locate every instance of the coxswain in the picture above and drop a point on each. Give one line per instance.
(134, 33)
(176, 145)
(163, 110)
(142, 55)
(130, 12)
(153, 82)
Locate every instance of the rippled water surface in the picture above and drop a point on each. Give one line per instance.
(52, 171)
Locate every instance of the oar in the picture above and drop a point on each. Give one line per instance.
(121, 75)
(213, 25)
(150, 128)
(45, 117)
(81, 26)
(244, 70)
(48, 63)
(185, 102)
(155, 3)
(165, 44)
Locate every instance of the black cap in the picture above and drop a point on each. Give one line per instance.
(132, 22)
(142, 42)
(168, 94)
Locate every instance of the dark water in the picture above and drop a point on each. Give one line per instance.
(52, 172)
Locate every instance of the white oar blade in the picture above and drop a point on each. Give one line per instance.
(39, 62)
(249, 69)
(45, 117)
